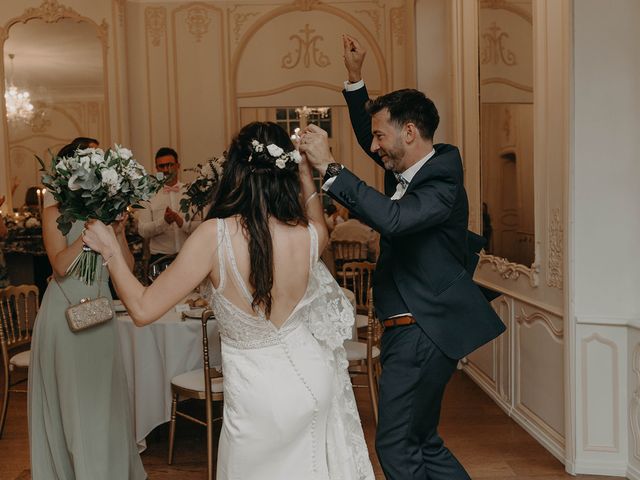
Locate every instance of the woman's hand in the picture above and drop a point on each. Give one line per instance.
(120, 224)
(100, 238)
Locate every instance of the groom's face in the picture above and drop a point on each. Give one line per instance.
(387, 142)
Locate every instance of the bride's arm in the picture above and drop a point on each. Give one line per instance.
(197, 258)
(313, 204)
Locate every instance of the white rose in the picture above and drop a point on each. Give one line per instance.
(86, 151)
(61, 165)
(111, 180)
(124, 153)
(296, 156)
(280, 163)
(274, 150)
(96, 158)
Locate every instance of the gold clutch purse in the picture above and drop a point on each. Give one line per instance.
(89, 312)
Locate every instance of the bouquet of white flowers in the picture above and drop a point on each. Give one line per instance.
(96, 184)
(199, 193)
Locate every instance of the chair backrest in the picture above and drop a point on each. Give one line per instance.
(357, 277)
(209, 371)
(18, 309)
(159, 265)
(345, 251)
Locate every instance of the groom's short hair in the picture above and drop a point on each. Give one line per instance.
(408, 106)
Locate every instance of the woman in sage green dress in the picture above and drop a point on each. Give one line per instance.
(80, 425)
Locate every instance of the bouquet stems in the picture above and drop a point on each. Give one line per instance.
(85, 265)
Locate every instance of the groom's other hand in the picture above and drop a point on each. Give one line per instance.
(354, 54)
(314, 143)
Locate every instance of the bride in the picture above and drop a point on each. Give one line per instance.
(289, 408)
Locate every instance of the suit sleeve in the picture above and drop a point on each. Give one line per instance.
(428, 204)
(361, 120)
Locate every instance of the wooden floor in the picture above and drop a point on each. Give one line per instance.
(488, 443)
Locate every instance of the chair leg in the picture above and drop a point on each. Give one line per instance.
(373, 391)
(209, 411)
(172, 427)
(5, 402)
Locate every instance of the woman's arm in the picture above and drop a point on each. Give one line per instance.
(60, 254)
(312, 202)
(119, 228)
(197, 259)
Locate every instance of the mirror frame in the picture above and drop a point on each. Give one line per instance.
(467, 133)
(50, 11)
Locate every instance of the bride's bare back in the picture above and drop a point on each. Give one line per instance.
(291, 263)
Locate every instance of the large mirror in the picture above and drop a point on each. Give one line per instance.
(505, 58)
(55, 91)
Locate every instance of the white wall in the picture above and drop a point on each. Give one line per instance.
(605, 234)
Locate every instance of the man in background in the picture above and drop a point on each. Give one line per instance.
(160, 221)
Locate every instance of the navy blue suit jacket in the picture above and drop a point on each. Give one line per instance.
(424, 242)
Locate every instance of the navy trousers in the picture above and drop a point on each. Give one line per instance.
(414, 376)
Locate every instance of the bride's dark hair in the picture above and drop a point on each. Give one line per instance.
(254, 187)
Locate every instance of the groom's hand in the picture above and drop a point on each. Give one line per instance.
(353, 58)
(314, 143)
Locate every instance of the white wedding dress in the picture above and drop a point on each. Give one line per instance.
(289, 409)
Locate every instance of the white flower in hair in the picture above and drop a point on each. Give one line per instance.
(281, 162)
(295, 155)
(274, 150)
(257, 146)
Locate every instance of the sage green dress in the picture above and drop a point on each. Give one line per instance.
(80, 424)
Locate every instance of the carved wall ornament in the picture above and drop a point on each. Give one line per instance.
(50, 11)
(634, 407)
(523, 317)
(198, 22)
(306, 5)
(397, 24)
(238, 22)
(306, 51)
(556, 236)
(509, 7)
(509, 270)
(40, 122)
(374, 15)
(494, 50)
(155, 23)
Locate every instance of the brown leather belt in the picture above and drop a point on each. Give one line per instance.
(398, 321)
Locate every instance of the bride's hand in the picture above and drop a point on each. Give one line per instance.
(100, 238)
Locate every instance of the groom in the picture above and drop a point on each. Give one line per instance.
(423, 292)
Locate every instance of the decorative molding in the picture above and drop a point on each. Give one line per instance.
(238, 20)
(374, 15)
(198, 22)
(51, 11)
(503, 5)
(634, 406)
(306, 5)
(523, 318)
(615, 392)
(306, 51)
(554, 272)
(398, 24)
(289, 86)
(155, 23)
(494, 51)
(509, 270)
(506, 81)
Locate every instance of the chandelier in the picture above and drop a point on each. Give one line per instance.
(18, 102)
(322, 112)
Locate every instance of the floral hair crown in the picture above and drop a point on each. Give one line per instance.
(281, 158)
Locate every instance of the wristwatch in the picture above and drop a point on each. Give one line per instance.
(333, 169)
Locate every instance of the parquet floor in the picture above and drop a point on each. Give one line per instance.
(485, 440)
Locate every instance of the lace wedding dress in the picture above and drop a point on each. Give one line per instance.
(289, 409)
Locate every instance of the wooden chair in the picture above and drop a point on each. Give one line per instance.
(357, 277)
(18, 309)
(364, 358)
(192, 385)
(347, 251)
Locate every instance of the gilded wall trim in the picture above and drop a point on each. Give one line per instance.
(155, 24)
(509, 270)
(506, 81)
(306, 50)
(504, 5)
(556, 242)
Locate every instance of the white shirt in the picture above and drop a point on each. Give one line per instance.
(409, 173)
(164, 239)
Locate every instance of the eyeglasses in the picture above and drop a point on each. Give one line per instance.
(162, 166)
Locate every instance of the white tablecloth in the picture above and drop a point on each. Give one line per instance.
(152, 356)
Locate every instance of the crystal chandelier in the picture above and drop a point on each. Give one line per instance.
(322, 112)
(18, 102)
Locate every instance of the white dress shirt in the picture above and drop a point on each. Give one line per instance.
(164, 239)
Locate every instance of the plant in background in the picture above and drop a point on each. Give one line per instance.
(199, 193)
(100, 185)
